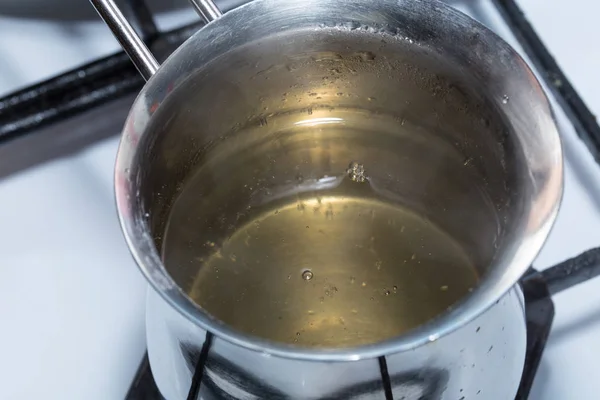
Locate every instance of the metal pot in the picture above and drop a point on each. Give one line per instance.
(492, 182)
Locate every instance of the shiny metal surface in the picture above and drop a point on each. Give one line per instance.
(483, 358)
(207, 9)
(135, 48)
(419, 61)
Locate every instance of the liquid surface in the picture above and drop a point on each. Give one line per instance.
(330, 262)
(337, 272)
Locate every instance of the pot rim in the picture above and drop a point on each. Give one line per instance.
(489, 291)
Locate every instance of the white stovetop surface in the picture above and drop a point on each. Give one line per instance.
(72, 300)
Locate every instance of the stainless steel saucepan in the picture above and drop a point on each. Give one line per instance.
(340, 192)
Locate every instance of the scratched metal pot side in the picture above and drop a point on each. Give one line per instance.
(322, 183)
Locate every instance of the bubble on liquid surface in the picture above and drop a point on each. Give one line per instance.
(356, 172)
(307, 275)
(505, 99)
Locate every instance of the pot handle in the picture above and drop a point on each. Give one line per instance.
(134, 46)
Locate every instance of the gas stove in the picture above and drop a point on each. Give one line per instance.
(71, 297)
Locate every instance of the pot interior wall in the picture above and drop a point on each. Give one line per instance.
(286, 115)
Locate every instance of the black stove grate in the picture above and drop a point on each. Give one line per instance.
(106, 80)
